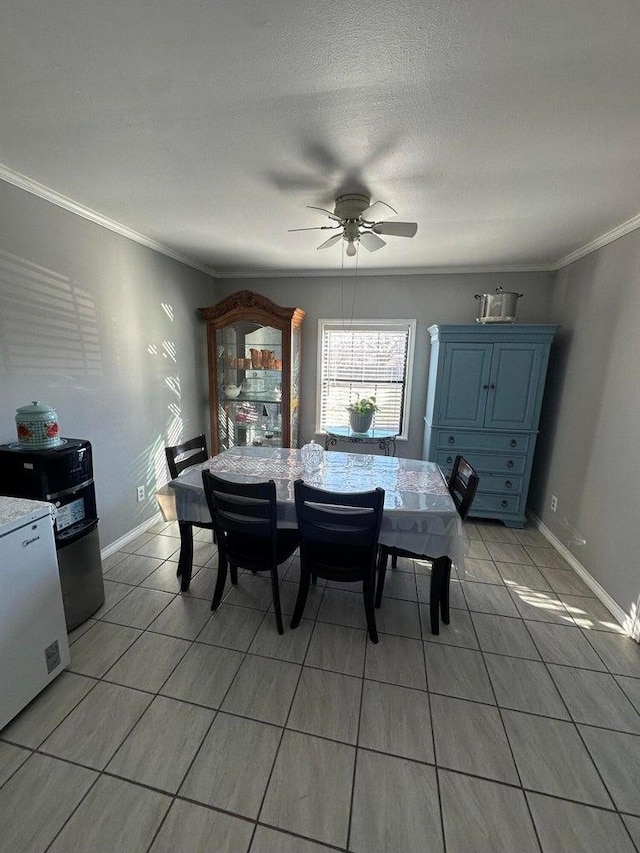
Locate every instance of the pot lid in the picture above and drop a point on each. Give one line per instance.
(36, 408)
(498, 292)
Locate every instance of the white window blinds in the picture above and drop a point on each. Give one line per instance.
(363, 359)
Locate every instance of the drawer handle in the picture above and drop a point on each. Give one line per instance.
(451, 440)
(449, 460)
(505, 503)
(508, 484)
(513, 442)
(510, 463)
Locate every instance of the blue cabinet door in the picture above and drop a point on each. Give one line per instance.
(514, 386)
(466, 370)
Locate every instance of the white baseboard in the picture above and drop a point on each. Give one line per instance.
(630, 624)
(130, 536)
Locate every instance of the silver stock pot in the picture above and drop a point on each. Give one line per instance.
(498, 307)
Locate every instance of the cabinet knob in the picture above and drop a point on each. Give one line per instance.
(451, 440)
(508, 484)
(505, 503)
(492, 387)
(513, 442)
(510, 463)
(485, 387)
(449, 460)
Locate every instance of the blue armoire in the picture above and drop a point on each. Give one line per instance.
(486, 384)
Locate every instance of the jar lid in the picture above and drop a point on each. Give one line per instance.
(36, 408)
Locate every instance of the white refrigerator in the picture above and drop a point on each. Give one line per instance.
(33, 638)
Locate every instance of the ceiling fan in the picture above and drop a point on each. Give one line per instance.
(359, 221)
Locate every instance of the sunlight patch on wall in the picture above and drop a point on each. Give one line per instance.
(159, 470)
(48, 325)
(173, 382)
(168, 370)
(632, 625)
(150, 469)
(175, 425)
(169, 350)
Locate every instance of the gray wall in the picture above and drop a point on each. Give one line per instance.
(588, 452)
(429, 299)
(106, 331)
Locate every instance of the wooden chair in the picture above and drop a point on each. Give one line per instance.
(182, 456)
(244, 519)
(338, 541)
(179, 458)
(463, 484)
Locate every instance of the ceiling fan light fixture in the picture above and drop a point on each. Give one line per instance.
(361, 222)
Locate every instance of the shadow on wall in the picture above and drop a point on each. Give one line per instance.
(48, 325)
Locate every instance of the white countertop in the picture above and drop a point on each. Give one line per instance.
(12, 509)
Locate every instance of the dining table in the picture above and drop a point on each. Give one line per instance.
(419, 513)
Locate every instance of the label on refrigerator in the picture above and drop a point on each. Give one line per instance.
(70, 514)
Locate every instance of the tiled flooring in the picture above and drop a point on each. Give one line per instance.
(178, 731)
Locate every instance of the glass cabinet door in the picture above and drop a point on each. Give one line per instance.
(249, 376)
(293, 381)
(254, 372)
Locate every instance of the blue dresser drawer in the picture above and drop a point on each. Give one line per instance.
(461, 440)
(496, 503)
(500, 463)
(501, 484)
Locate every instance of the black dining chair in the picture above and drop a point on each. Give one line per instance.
(244, 517)
(463, 484)
(184, 455)
(179, 458)
(338, 541)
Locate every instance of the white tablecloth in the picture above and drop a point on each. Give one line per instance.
(419, 514)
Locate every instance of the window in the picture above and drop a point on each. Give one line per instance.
(362, 358)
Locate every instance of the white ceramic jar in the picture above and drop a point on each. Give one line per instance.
(37, 426)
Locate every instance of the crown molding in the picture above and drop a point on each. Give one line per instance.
(364, 271)
(626, 228)
(29, 185)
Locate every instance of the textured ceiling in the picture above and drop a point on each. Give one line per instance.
(507, 129)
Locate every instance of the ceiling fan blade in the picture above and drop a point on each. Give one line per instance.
(328, 212)
(317, 228)
(378, 211)
(330, 241)
(371, 242)
(396, 229)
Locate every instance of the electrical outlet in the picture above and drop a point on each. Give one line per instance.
(554, 503)
(140, 493)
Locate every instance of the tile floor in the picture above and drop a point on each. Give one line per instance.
(516, 729)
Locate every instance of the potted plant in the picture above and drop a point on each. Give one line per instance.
(361, 413)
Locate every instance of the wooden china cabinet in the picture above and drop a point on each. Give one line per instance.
(254, 372)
